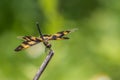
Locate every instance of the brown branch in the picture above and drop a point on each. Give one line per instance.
(43, 66)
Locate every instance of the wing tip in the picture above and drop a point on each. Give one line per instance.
(74, 29)
(18, 48)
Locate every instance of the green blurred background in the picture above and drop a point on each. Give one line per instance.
(92, 53)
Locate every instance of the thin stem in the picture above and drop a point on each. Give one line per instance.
(43, 66)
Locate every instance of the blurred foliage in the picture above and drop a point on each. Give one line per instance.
(92, 53)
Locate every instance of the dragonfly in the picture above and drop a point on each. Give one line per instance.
(29, 41)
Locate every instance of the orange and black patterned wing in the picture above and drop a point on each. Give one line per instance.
(60, 35)
(28, 41)
(57, 36)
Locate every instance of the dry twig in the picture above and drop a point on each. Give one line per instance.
(44, 64)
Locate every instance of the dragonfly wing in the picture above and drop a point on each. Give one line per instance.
(62, 33)
(20, 37)
(28, 43)
(59, 35)
(27, 38)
